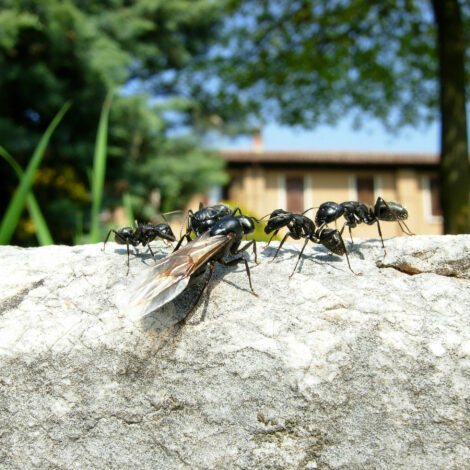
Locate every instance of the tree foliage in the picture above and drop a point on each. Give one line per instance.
(52, 51)
(308, 62)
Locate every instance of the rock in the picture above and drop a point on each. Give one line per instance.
(445, 255)
(324, 370)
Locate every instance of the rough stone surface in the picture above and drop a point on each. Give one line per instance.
(324, 370)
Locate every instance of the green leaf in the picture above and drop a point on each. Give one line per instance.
(42, 230)
(16, 205)
(99, 168)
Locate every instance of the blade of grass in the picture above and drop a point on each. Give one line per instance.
(99, 168)
(42, 230)
(16, 205)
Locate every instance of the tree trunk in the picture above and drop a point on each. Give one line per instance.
(454, 165)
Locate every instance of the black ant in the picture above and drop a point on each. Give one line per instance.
(173, 274)
(357, 212)
(204, 219)
(142, 234)
(300, 226)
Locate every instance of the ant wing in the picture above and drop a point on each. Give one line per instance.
(170, 276)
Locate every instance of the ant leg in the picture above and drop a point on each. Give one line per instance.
(349, 264)
(381, 238)
(188, 239)
(188, 228)
(233, 262)
(345, 252)
(350, 231)
(127, 258)
(407, 231)
(179, 244)
(288, 234)
(190, 312)
(151, 252)
(237, 209)
(254, 251)
(251, 242)
(298, 259)
(350, 235)
(106, 239)
(272, 236)
(376, 213)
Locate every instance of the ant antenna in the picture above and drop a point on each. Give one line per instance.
(314, 207)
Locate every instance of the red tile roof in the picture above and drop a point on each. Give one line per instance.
(330, 157)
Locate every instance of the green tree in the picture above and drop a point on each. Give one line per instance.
(307, 62)
(52, 51)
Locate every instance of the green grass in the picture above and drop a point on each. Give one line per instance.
(42, 230)
(24, 196)
(15, 207)
(99, 169)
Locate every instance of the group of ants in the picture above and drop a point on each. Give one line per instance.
(220, 219)
(215, 233)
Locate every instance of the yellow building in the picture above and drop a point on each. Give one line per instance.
(262, 181)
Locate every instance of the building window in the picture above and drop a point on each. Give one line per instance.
(295, 194)
(431, 199)
(365, 190)
(436, 210)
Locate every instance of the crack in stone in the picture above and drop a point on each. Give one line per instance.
(403, 268)
(15, 300)
(412, 271)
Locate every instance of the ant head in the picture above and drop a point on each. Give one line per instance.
(247, 224)
(165, 232)
(277, 213)
(398, 210)
(227, 225)
(273, 214)
(278, 219)
(328, 212)
(389, 211)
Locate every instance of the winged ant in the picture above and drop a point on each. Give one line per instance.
(171, 275)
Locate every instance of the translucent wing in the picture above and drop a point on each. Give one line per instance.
(171, 275)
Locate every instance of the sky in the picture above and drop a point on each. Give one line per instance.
(370, 138)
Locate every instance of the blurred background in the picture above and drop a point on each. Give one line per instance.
(120, 110)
